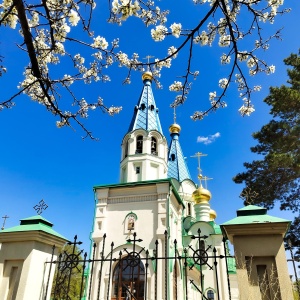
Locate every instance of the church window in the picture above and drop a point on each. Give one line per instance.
(189, 209)
(153, 146)
(210, 295)
(128, 280)
(139, 144)
(138, 170)
(143, 106)
(126, 149)
(151, 107)
(173, 157)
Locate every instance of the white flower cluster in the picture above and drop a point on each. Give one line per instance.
(270, 69)
(172, 51)
(8, 19)
(100, 43)
(176, 29)
(176, 86)
(202, 39)
(224, 40)
(247, 108)
(159, 33)
(123, 59)
(114, 110)
(125, 8)
(73, 17)
(225, 59)
(223, 83)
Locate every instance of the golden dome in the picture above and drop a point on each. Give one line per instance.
(212, 214)
(201, 195)
(147, 76)
(174, 128)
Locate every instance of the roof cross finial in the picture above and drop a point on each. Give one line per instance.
(39, 208)
(174, 114)
(148, 63)
(248, 196)
(5, 217)
(200, 176)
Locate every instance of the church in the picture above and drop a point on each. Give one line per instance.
(157, 201)
(154, 235)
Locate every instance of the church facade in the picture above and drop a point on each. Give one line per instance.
(158, 213)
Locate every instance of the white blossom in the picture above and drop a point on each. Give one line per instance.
(176, 29)
(225, 59)
(73, 17)
(171, 51)
(176, 86)
(270, 69)
(224, 40)
(100, 42)
(159, 33)
(223, 83)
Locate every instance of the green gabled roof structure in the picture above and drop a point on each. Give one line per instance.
(252, 214)
(34, 223)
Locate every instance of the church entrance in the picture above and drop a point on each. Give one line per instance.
(128, 281)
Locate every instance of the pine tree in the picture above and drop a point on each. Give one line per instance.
(276, 176)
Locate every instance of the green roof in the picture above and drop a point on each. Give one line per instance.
(253, 214)
(35, 223)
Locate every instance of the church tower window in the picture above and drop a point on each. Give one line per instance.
(126, 149)
(173, 157)
(139, 144)
(153, 146)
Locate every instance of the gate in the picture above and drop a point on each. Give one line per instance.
(76, 276)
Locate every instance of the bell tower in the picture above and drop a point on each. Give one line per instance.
(144, 147)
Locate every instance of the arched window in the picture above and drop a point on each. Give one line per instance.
(139, 144)
(189, 209)
(128, 280)
(153, 146)
(173, 157)
(143, 106)
(210, 295)
(126, 149)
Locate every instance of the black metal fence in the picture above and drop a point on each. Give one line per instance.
(79, 277)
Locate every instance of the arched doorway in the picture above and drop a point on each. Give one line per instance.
(128, 280)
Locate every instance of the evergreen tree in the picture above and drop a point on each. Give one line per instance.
(275, 177)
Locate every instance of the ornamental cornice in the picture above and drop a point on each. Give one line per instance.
(135, 198)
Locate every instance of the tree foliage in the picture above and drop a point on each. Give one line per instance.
(53, 45)
(276, 176)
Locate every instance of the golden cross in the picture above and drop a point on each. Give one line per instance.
(148, 63)
(174, 114)
(200, 176)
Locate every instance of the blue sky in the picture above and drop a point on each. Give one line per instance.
(39, 161)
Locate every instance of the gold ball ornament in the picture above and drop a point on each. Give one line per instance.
(147, 76)
(174, 128)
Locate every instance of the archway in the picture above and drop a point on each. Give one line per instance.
(128, 281)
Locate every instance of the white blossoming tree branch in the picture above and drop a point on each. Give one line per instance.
(45, 30)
